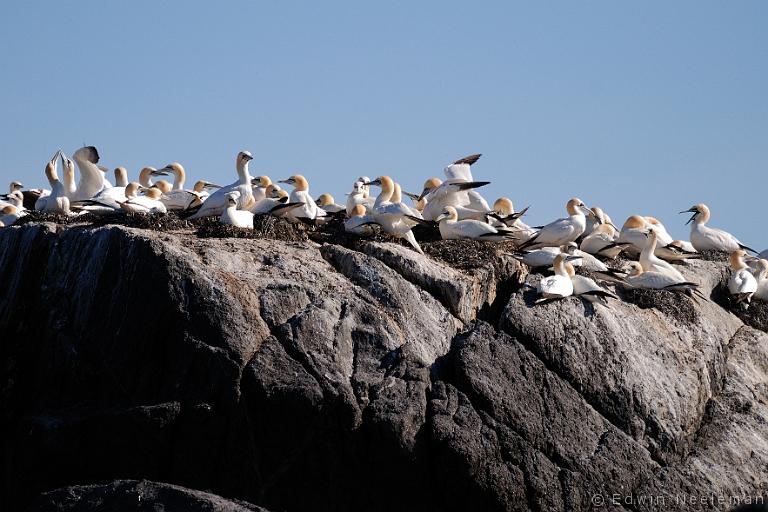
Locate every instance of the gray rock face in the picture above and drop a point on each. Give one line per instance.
(298, 376)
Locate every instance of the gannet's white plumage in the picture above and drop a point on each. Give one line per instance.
(216, 203)
(328, 203)
(231, 216)
(15, 198)
(439, 194)
(586, 260)
(260, 184)
(392, 217)
(360, 223)
(146, 204)
(9, 215)
(504, 215)
(602, 242)
(638, 278)
(761, 276)
(544, 257)
(741, 284)
(705, 238)
(175, 197)
(359, 195)
(92, 176)
(559, 285)
(57, 201)
(595, 218)
(563, 230)
(652, 263)
(451, 228)
(308, 211)
(275, 204)
(586, 287)
(461, 170)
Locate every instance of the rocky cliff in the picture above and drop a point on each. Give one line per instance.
(361, 376)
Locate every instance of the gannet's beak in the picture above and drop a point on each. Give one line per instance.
(412, 196)
(159, 172)
(591, 211)
(423, 194)
(288, 181)
(572, 258)
(376, 183)
(613, 226)
(211, 185)
(442, 216)
(56, 156)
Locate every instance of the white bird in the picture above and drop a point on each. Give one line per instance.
(216, 203)
(260, 184)
(602, 242)
(461, 170)
(584, 286)
(392, 216)
(504, 215)
(203, 189)
(705, 238)
(544, 257)
(92, 178)
(633, 232)
(327, 203)
(275, 204)
(451, 228)
(561, 231)
(359, 222)
(741, 284)
(761, 276)
(146, 174)
(596, 218)
(9, 215)
(637, 278)
(15, 198)
(309, 211)
(439, 194)
(176, 197)
(586, 260)
(359, 195)
(68, 176)
(559, 285)
(652, 263)
(57, 202)
(234, 217)
(146, 204)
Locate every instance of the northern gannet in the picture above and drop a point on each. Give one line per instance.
(175, 197)
(217, 202)
(761, 276)
(705, 238)
(587, 261)
(461, 170)
(414, 216)
(742, 284)
(92, 178)
(14, 186)
(57, 202)
(602, 242)
(68, 176)
(327, 203)
(121, 177)
(146, 174)
(359, 195)
(359, 222)
(584, 286)
(561, 231)
(309, 211)
(260, 184)
(15, 198)
(596, 218)
(202, 188)
(148, 203)
(451, 228)
(638, 278)
(559, 285)
(538, 258)
(9, 215)
(633, 232)
(234, 217)
(276, 203)
(439, 194)
(652, 263)
(391, 216)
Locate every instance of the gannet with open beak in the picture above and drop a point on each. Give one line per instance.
(561, 231)
(359, 222)
(559, 285)
(146, 204)
(451, 228)
(652, 263)
(638, 278)
(9, 215)
(234, 217)
(741, 284)
(309, 211)
(260, 184)
(327, 203)
(391, 216)
(601, 242)
(586, 287)
(57, 202)
(359, 195)
(275, 204)
(705, 238)
(216, 203)
(92, 176)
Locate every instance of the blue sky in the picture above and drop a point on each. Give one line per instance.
(642, 107)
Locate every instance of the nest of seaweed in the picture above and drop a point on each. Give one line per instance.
(755, 314)
(677, 305)
(714, 255)
(467, 254)
(154, 221)
(264, 226)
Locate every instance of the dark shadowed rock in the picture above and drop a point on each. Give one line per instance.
(359, 375)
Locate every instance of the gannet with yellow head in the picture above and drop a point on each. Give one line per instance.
(451, 228)
(216, 203)
(741, 284)
(309, 211)
(705, 238)
(563, 230)
(391, 216)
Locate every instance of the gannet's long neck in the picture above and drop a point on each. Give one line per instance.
(179, 178)
(702, 218)
(244, 177)
(737, 262)
(649, 251)
(560, 269)
(91, 179)
(386, 192)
